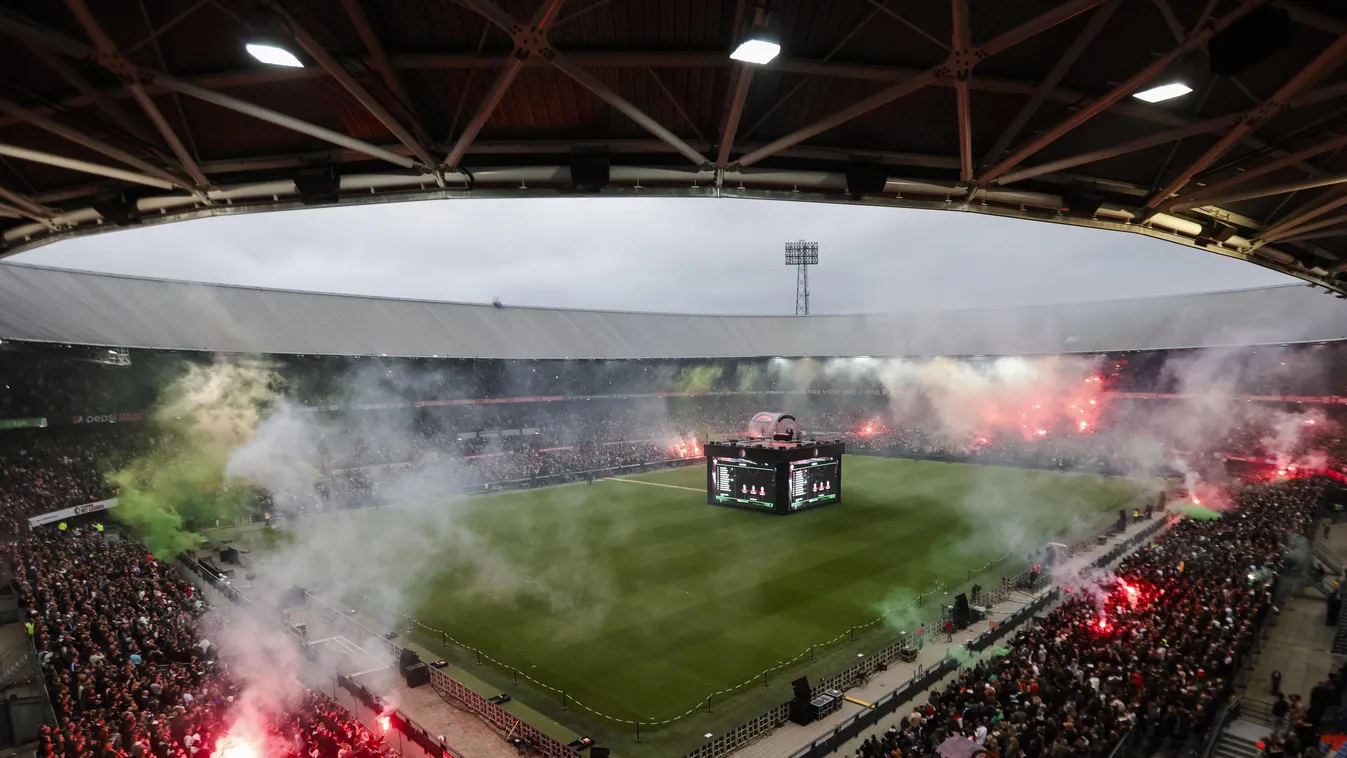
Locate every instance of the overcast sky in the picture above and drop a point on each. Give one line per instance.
(683, 255)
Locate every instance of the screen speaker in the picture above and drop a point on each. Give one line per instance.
(590, 168)
(120, 210)
(318, 185)
(293, 598)
(801, 687)
(407, 657)
(416, 674)
(1082, 202)
(1250, 40)
(866, 178)
(961, 611)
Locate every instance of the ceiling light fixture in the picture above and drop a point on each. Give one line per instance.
(762, 44)
(757, 49)
(1163, 92)
(272, 55)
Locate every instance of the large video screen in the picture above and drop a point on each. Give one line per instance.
(816, 480)
(735, 480)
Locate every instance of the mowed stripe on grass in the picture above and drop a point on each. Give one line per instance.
(639, 601)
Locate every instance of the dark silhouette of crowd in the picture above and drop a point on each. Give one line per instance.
(1162, 668)
(123, 641)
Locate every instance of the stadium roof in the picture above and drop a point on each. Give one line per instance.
(69, 307)
(116, 112)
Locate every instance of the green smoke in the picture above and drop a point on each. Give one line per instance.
(1199, 513)
(177, 485)
(967, 658)
(748, 377)
(699, 378)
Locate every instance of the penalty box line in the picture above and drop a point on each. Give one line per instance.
(652, 484)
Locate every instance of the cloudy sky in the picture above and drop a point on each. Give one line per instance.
(684, 255)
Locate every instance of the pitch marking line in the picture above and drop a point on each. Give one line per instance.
(651, 484)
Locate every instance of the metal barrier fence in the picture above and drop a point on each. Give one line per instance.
(510, 725)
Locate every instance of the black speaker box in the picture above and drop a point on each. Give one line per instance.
(120, 210)
(318, 185)
(294, 597)
(408, 657)
(801, 688)
(590, 169)
(416, 674)
(1082, 202)
(801, 712)
(960, 614)
(866, 178)
(229, 555)
(1250, 40)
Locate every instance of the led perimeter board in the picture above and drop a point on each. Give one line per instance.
(772, 476)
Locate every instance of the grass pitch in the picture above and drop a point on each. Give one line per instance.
(640, 600)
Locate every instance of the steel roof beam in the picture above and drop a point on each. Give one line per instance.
(1334, 231)
(608, 95)
(59, 43)
(80, 138)
(26, 206)
(532, 41)
(102, 100)
(1122, 148)
(279, 119)
(959, 17)
(1054, 77)
(1102, 103)
(97, 169)
(998, 44)
(528, 42)
(112, 60)
(1305, 228)
(743, 78)
(1313, 19)
(371, 104)
(1276, 189)
(1198, 198)
(1323, 64)
(378, 54)
(1280, 228)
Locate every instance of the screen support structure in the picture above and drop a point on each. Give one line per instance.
(801, 255)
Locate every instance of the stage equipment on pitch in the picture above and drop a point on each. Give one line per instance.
(774, 467)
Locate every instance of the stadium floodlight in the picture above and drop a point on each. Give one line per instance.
(760, 48)
(762, 43)
(1163, 92)
(273, 55)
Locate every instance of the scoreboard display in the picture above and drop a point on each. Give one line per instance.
(736, 480)
(815, 481)
(774, 476)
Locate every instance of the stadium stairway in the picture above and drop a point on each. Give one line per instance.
(1233, 744)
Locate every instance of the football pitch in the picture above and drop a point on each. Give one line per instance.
(637, 599)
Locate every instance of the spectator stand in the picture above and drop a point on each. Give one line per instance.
(401, 733)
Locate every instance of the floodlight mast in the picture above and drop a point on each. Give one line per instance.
(802, 255)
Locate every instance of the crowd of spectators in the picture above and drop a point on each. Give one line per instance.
(373, 455)
(123, 641)
(1102, 665)
(42, 471)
